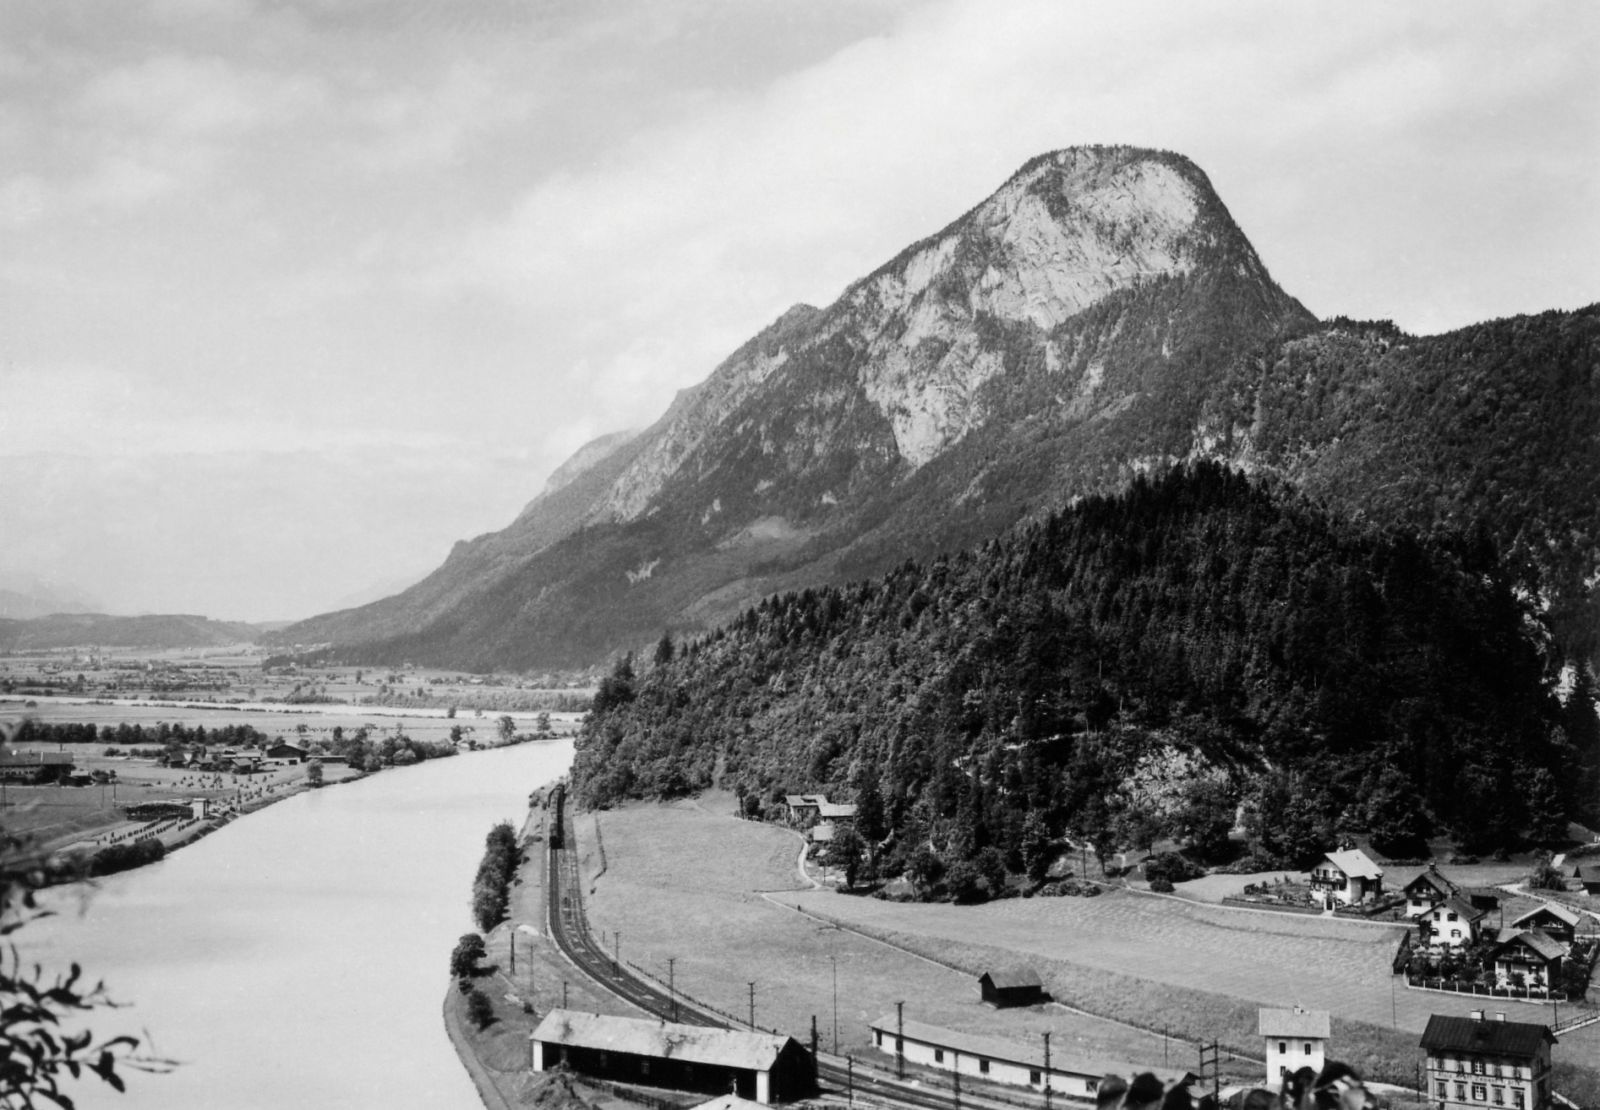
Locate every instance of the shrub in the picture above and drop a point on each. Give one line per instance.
(1161, 886)
(1174, 867)
(480, 1011)
(468, 951)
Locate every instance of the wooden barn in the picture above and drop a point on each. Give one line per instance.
(1015, 986)
(761, 1066)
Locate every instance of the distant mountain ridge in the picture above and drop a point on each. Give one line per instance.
(1099, 316)
(87, 630)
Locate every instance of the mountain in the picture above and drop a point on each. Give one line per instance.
(70, 630)
(1199, 641)
(1055, 339)
(25, 596)
(1100, 316)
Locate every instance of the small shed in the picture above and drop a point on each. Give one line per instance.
(1013, 986)
(764, 1067)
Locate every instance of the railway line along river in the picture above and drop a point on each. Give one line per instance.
(297, 958)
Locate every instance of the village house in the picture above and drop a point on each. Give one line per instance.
(293, 753)
(35, 766)
(764, 1067)
(1453, 923)
(1529, 959)
(803, 807)
(1552, 919)
(1590, 880)
(1347, 876)
(1426, 891)
(1295, 1039)
(1015, 986)
(997, 1061)
(1477, 1064)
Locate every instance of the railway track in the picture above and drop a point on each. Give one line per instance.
(838, 1078)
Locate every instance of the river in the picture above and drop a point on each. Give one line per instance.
(299, 957)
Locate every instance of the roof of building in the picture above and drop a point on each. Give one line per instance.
(1434, 881)
(1461, 907)
(10, 758)
(730, 1102)
(822, 833)
(1355, 863)
(805, 799)
(1569, 917)
(836, 809)
(1028, 1055)
(1011, 978)
(1546, 946)
(729, 1048)
(1493, 1038)
(1293, 1024)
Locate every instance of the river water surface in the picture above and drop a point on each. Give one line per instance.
(299, 957)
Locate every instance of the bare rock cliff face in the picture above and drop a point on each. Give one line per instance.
(1023, 353)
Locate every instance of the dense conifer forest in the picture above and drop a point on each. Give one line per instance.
(1131, 667)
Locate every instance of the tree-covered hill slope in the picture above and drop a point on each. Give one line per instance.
(1134, 664)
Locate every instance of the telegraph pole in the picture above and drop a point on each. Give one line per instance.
(850, 1080)
(616, 952)
(563, 994)
(835, 962)
(899, 1040)
(672, 989)
(1047, 1071)
(752, 1005)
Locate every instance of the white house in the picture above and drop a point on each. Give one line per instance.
(1348, 876)
(1453, 923)
(1426, 891)
(1295, 1039)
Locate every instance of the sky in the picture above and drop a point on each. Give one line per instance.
(294, 294)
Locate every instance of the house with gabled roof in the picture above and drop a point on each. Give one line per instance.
(1347, 876)
(1296, 1039)
(1529, 959)
(1553, 919)
(1453, 923)
(1476, 1063)
(1426, 891)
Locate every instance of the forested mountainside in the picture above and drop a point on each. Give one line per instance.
(1130, 666)
(1496, 424)
(1057, 333)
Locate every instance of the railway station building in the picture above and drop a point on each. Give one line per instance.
(764, 1067)
(998, 1061)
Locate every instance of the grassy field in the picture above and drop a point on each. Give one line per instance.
(682, 880)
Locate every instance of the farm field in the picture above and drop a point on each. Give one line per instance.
(681, 881)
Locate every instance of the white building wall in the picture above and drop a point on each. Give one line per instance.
(1285, 1056)
(999, 1071)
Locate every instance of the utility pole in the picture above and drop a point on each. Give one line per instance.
(1047, 1071)
(956, 1078)
(834, 960)
(899, 1040)
(563, 994)
(813, 1036)
(752, 1006)
(616, 952)
(672, 987)
(850, 1080)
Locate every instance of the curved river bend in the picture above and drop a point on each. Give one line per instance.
(299, 957)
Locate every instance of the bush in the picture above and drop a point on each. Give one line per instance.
(480, 1011)
(468, 951)
(1161, 886)
(1174, 867)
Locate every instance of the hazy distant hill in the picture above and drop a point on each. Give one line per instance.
(24, 596)
(66, 630)
(1099, 316)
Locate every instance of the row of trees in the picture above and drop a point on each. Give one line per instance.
(1134, 667)
(491, 887)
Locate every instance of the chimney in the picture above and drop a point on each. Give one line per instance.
(1477, 1015)
(1499, 1016)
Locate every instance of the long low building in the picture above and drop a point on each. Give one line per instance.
(998, 1061)
(761, 1066)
